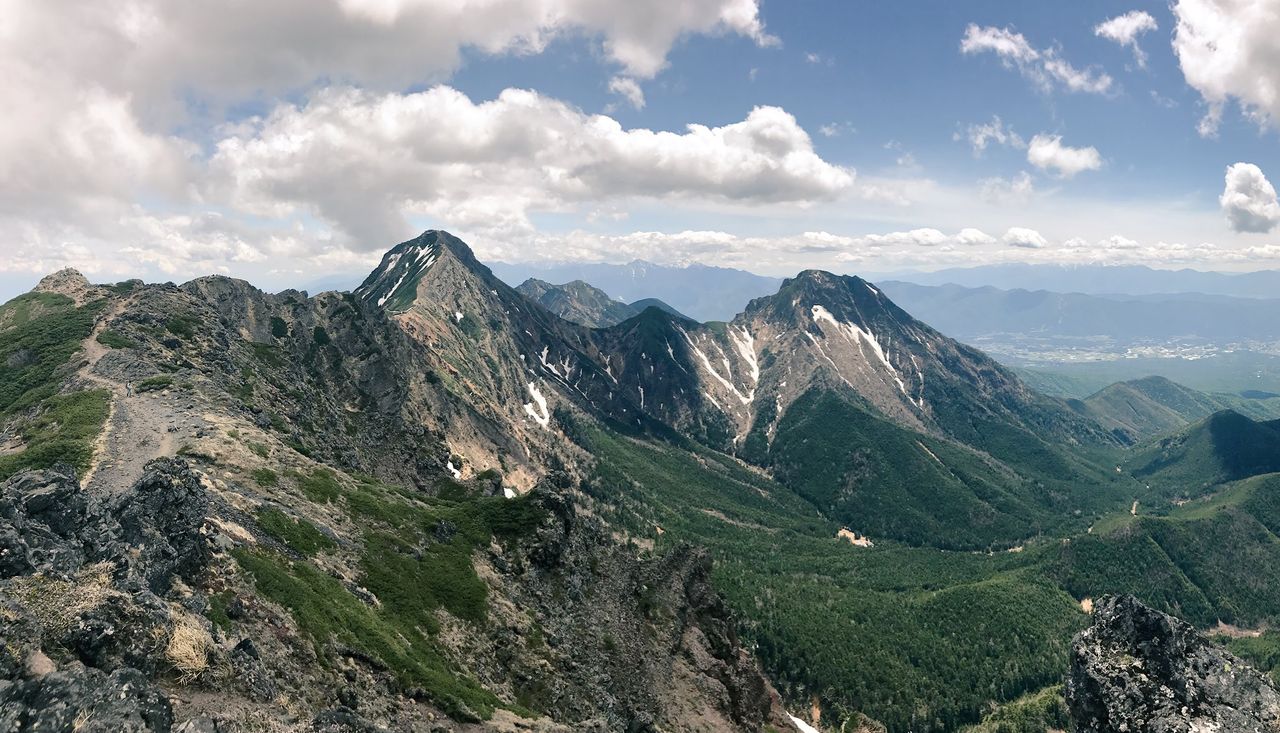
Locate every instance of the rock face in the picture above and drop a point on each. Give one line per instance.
(83, 624)
(640, 644)
(1142, 671)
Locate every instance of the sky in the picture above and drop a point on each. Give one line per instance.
(291, 142)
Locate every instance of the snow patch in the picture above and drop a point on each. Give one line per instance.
(540, 415)
(382, 301)
(746, 345)
(457, 316)
(509, 493)
(857, 335)
(802, 726)
(453, 470)
(745, 399)
(932, 455)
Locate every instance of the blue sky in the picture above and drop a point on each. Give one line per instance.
(291, 141)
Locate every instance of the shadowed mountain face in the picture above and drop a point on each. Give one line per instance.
(577, 302)
(1226, 446)
(1144, 408)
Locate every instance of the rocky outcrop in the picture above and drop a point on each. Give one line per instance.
(637, 644)
(83, 621)
(1142, 671)
(71, 283)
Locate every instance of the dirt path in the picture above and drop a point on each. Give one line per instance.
(139, 427)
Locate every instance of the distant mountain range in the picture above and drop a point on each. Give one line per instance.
(583, 304)
(700, 292)
(988, 312)
(1100, 279)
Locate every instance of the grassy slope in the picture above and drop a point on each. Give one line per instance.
(406, 564)
(39, 333)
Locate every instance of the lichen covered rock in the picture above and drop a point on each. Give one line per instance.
(1141, 671)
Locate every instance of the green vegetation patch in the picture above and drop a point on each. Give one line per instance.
(183, 326)
(116, 340)
(265, 477)
(154, 384)
(279, 329)
(299, 534)
(417, 559)
(332, 618)
(1036, 712)
(320, 486)
(40, 333)
(62, 430)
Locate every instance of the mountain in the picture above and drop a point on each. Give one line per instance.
(431, 502)
(785, 383)
(236, 508)
(1226, 446)
(1144, 408)
(701, 292)
(1100, 279)
(577, 302)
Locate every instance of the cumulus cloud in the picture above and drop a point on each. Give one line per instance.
(1023, 237)
(1043, 67)
(627, 88)
(781, 254)
(97, 110)
(1230, 49)
(925, 237)
(156, 47)
(361, 161)
(1047, 152)
(981, 135)
(1125, 30)
(1249, 200)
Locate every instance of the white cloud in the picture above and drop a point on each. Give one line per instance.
(983, 134)
(361, 161)
(1001, 41)
(627, 87)
(1002, 191)
(1043, 68)
(1023, 237)
(154, 48)
(92, 117)
(1047, 152)
(1125, 29)
(974, 236)
(1230, 49)
(1249, 200)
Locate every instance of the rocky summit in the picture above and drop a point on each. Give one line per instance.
(1142, 671)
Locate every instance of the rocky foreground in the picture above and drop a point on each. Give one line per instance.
(1141, 671)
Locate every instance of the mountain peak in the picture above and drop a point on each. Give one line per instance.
(393, 284)
(68, 281)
